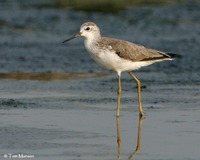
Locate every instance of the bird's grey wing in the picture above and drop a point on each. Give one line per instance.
(134, 52)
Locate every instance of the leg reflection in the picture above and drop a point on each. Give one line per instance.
(118, 138)
(138, 138)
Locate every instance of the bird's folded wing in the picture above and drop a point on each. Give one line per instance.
(132, 51)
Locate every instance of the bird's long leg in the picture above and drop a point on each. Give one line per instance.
(119, 94)
(118, 138)
(139, 93)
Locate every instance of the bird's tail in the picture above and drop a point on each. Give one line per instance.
(172, 55)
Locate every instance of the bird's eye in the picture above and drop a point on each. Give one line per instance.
(88, 28)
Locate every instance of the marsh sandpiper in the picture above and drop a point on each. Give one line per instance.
(118, 55)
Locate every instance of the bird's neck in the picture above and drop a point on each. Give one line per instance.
(89, 41)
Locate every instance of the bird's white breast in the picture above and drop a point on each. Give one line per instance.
(107, 58)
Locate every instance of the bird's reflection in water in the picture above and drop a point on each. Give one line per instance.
(141, 118)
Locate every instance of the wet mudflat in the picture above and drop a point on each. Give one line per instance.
(56, 103)
(54, 123)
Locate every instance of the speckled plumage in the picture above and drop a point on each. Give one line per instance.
(118, 55)
(130, 51)
(127, 56)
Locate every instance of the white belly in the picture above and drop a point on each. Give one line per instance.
(111, 61)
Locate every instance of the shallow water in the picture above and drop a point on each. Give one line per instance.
(56, 103)
(53, 123)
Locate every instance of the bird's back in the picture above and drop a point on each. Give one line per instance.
(132, 51)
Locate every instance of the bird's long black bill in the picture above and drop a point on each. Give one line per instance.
(76, 35)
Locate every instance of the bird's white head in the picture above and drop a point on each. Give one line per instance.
(89, 30)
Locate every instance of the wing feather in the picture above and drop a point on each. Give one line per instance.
(132, 51)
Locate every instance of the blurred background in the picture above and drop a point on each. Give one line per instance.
(32, 32)
(57, 103)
